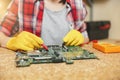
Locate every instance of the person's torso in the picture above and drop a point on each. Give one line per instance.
(54, 26)
(30, 15)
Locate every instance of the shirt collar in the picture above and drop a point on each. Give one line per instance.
(67, 4)
(37, 0)
(68, 1)
(68, 7)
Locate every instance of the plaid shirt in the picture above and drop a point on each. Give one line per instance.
(27, 15)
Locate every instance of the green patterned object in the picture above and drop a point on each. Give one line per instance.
(54, 54)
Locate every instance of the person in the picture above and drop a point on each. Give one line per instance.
(30, 23)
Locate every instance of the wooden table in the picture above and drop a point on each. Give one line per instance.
(107, 68)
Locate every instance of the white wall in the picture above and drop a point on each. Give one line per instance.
(108, 10)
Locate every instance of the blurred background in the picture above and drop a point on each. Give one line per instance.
(97, 10)
(106, 10)
(3, 7)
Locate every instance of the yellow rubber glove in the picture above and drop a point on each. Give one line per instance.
(24, 41)
(73, 37)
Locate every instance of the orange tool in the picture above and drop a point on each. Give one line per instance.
(106, 47)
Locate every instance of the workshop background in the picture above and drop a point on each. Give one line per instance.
(97, 11)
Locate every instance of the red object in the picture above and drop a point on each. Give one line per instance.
(95, 41)
(84, 43)
(44, 46)
(105, 27)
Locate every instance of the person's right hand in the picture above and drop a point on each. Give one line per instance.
(24, 41)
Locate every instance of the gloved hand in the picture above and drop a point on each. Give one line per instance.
(24, 41)
(73, 37)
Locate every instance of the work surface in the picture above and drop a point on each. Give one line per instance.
(106, 68)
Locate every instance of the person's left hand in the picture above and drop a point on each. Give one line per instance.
(73, 38)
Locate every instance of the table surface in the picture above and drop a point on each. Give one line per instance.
(106, 68)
